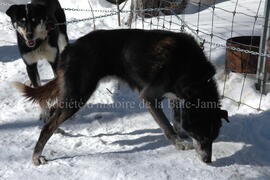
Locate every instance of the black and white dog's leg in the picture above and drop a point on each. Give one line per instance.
(153, 106)
(175, 106)
(62, 42)
(53, 52)
(54, 66)
(33, 74)
(53, 60)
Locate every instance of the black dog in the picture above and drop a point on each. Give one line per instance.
(157, 64)
(37, 35)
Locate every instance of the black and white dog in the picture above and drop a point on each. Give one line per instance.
(37, 36)
(156, 64)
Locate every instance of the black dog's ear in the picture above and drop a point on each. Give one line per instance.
(224, 114)
(42, 9)
(12, 10)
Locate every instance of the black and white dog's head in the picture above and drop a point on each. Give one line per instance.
(30, 21)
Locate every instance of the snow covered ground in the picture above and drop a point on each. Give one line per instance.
(105, 141)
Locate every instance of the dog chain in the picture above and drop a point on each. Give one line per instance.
(239, 49)
(5, 4)
(87, 10)
(112, 13)
(86, 19)
(217, 44)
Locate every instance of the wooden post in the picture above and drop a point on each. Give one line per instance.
(261, 71)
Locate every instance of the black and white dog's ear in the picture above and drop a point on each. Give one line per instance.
(224, 114)
(12, 10)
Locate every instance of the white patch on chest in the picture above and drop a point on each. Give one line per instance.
(44, 51)
(62, 42)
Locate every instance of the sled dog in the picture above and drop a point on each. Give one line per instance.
(155, 63)
(38, 36)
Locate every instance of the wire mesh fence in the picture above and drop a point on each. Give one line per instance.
(229, 21)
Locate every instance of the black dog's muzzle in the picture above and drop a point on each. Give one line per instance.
(204, 150)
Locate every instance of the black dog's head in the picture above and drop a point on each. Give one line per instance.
(29, 21)
(203, 126)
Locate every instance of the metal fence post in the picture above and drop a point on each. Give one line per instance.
(118, 12)
(261, 68)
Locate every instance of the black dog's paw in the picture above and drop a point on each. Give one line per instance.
(184, 145)
(181, 144)
(60, 131)
(39, 160)
(178, 142)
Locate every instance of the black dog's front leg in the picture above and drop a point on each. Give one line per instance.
(153, 106)
(33, 74)
(164, 124)
(175, 106)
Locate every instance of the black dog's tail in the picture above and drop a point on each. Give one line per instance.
(43, 94)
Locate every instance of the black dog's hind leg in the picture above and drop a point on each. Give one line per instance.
(153, 105)
(67, 106)
(33, 74)
(59, 116)
(44, 115)
(175, 106)
(46, 112)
